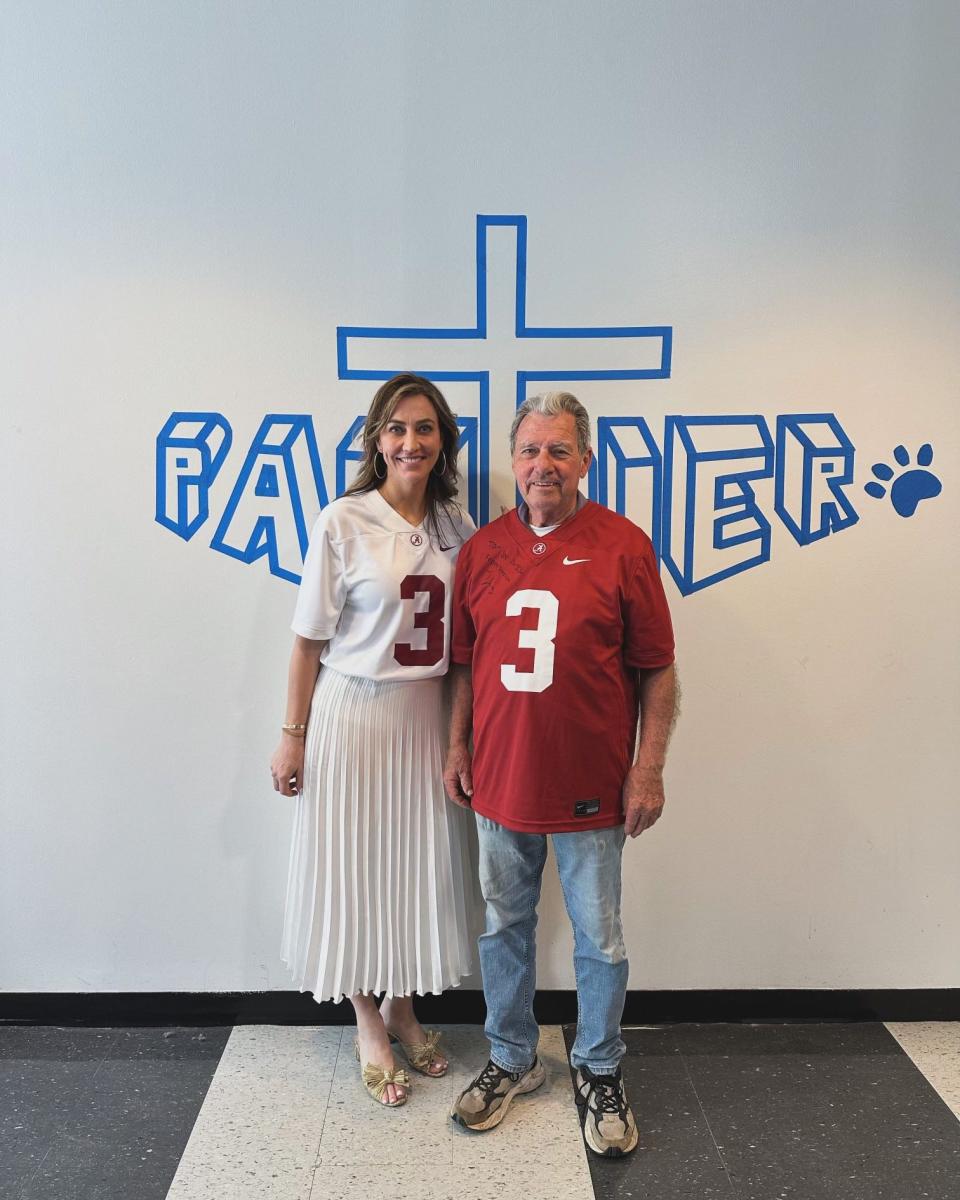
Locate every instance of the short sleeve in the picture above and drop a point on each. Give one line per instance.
(464, 631)
(323, 589)
(648, 630)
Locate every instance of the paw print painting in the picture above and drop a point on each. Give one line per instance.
(909, 486)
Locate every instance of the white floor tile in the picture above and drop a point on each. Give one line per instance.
(541, 1129)
(259, 1129)
(287, 1117)
(934, 1047)
(424, 1181)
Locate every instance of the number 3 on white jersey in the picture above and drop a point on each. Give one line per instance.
(539, 640)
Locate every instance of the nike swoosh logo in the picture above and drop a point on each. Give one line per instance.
(569, 562)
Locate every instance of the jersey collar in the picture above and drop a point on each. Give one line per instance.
(530, 543)
(389, 517)
(523, 511)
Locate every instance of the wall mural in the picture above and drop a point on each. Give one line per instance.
(701, 508)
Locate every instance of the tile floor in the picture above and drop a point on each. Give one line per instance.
(286, 1117)
(740, 1112)
(99, 1112)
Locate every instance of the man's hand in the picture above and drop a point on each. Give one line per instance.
(642, 798)
(458, 775)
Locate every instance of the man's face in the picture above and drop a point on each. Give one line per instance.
(548, 466)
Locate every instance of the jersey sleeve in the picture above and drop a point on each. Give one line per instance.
(323, 589)
(464, 631)
(648, 640)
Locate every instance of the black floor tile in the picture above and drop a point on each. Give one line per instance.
(21, 1156)
(108, 1168)
(44, 1074)
(154, 1088)
(48, 1043)
(170, 1045)
(109, 1117)
(780, 1112)
(860, 1039)
(822, 1112)
(676, 1158)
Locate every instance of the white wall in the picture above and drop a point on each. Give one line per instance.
(196, 196)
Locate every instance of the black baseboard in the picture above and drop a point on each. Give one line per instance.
(467, 1007)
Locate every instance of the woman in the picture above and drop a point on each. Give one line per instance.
(379, 876)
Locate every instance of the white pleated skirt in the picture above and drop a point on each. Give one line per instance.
(382, 892)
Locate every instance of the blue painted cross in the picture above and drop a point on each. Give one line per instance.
(513, 352)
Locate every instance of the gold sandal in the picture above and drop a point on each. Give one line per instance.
(375, 1080)
(421, 1054)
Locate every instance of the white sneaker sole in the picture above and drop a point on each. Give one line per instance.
(533, 1079)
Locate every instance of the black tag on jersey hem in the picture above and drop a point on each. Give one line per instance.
(586, 808)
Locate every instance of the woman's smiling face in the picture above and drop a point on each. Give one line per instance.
(410, 441)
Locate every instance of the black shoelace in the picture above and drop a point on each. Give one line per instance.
(608, 1098)
(489, 1078)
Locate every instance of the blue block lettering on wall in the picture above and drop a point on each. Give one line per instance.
(349, 451)
(191, 449)
(712, 526)
(814, 465)
(278, 493)
(628, 443)
(269, 483)
(501, 353)
(468, 464)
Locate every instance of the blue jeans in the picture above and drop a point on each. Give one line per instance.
(511, 868)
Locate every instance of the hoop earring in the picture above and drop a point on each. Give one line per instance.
(377, 455)
(443, 455)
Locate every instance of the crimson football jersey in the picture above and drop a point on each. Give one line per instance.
(555, 628)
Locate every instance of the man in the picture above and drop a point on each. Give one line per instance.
(561, 631)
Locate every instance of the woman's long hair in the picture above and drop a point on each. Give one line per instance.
(441, 487)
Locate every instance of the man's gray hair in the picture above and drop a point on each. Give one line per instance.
(554, 404)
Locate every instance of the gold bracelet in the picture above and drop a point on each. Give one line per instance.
(295, 729)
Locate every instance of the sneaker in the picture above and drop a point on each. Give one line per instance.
(485, 1102)
(608, 1125)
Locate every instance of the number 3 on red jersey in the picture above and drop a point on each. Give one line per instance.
(431, 619)
(539, 640)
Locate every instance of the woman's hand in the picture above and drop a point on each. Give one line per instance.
(286, 766)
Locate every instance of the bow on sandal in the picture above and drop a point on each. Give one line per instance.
(421, 1054)
(375, 1080)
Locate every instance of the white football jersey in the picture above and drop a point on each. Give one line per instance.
(379, 590)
